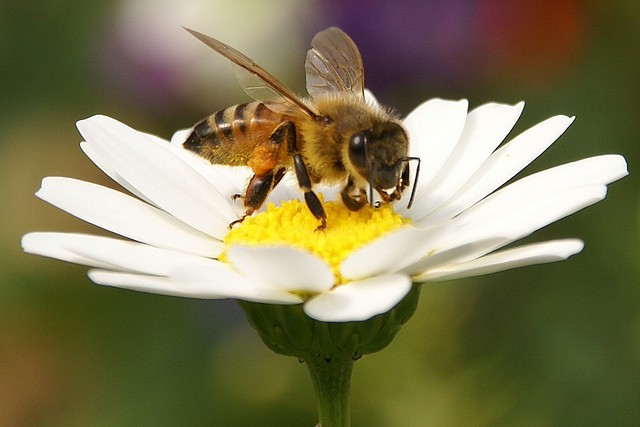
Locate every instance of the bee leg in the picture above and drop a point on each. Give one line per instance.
(278, 176)
(353, 201)
(287, 130)
(402, 184)
(237, 221)
(257, 191)
(259, 188)
(276, 179)
(313, 203)
(263, 161)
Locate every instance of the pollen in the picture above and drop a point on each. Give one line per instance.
(291, 223)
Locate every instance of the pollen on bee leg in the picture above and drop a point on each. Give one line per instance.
(291, 223)
(263, 158)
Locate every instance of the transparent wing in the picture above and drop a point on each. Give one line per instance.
(260, 81)
(255, 87)
(334, 64)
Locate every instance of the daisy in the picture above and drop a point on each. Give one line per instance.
(177, 241)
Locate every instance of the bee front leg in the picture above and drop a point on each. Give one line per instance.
(353, 201)
(402, 184)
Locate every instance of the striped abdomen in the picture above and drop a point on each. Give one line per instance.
(229, 136)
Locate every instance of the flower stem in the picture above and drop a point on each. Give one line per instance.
(329, 349)
(332, 381)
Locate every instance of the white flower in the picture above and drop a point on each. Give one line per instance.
(459, 221)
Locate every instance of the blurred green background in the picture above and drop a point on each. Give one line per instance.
(557, 344)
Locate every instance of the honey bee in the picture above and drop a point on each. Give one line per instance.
(333, 137)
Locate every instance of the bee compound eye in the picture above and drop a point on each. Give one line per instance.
(358, 149)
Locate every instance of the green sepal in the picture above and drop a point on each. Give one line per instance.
(287, 330)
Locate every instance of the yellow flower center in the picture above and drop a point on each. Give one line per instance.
(292, 224)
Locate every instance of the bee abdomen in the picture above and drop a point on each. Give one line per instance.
(202, 134)
(226, 136)
(218, 126)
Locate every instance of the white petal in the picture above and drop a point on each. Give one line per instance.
(94, 153)
(125, 215)
(485, 128)
(190, 289)
(507, 215)
(456, 254)
(52, 245)
(282, 266)
(155, 170)
(138, 282)
(361, 300)
(387, 254)
(533, 198)
(501, 166)
(228, 180)
(225, 282)
(370, 98)
(109, 253)
(434, 128)
(593, 171)
(101, 158)
(135, 257)
(537, 253)
(513, 221)
(471, 236)
(180, 136)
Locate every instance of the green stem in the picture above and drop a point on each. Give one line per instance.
(329, 349)
(332, 381)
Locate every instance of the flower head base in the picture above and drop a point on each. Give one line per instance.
(287, 330)
(292, 224)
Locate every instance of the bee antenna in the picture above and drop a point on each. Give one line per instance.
(415, 180)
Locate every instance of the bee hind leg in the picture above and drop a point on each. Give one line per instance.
(257, 191)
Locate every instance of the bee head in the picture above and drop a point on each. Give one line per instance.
(379, 154)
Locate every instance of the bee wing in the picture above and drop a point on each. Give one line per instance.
(334, 64)
(260, 91)
(259, 82)
(255, 87)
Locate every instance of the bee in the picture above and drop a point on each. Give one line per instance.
(334, 137)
